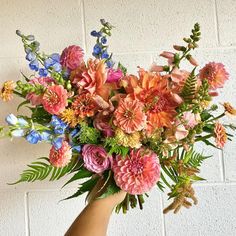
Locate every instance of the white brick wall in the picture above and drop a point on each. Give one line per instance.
(143, 29)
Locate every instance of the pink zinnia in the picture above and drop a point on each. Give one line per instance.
(138, 172)
(71, 57)
(95, 158)
(62, 156)
(114, 75)
(129, 116)
(215, 73)
(220, 135)
(36, 99)
(55, 99)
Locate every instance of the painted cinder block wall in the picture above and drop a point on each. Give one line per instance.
(143, 30)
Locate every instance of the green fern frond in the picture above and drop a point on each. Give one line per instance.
(189, 88)
(194, 159)
(40, 170)
(112, 146)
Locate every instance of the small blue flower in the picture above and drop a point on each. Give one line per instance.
(55, 57)
(97, 49)
(103, 40)
(94, 33)
(30, 37)
(22, 122)
(30, 56)
(105, 55)
(11, 119)
(45, 135)
(74, 132)
(34, 65)
(58, 124)
(57, 67)
(110, 63)
(48, 62)
(27, 50)
(43, 72)
(33, 137)
(57, 143)
(76, 148)
(18, 133)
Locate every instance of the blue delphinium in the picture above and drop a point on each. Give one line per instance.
(58, 125)
(57, 142)
(43, 72)
(33, 137)
(11, 119)
(34, 65)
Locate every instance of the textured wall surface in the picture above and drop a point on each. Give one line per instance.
(143, 30)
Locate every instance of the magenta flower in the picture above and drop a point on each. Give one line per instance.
(71, 57)
(62, 156)
(138, 172)
(95, 158)
(114, 75)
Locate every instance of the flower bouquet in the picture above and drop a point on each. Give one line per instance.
(129, 132)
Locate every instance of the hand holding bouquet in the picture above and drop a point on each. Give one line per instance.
(130, 132)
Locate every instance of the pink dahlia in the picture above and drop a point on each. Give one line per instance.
(215, 73)
(55, 99)
(114, 75)
(36, 99)
(95, 158)
(220, 135)
(138, 172)
(129, 116)
(62, 156)
(71, 57)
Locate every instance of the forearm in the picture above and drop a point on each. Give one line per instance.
(94, 219)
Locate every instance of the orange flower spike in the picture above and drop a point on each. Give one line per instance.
(229, 110)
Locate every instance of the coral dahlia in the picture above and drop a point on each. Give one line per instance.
(62, 156)
(215, 73)
(55, 99)
(129, 115)
(138, 172)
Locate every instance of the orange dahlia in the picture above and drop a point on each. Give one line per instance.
(220, 135)
(215, 73)
(129, 115)
(84, 105)
(7, 91)
(159, 103)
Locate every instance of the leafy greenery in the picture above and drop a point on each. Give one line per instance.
(189, 88)
(40, 170)
(88, 134)
(113, 147)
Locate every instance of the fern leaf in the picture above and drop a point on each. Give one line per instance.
(189, 88)
(41, 170)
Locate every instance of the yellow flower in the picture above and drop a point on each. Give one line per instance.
(7, 91)
(128, 140)
(229, 110)
(69, 117)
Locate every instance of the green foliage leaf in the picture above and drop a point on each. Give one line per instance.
(113, 147)
(40, 170)
(194, 159)
(81, 174)
(22, 104)
(189, 88)
(39, 115)
(88, 134)
(110, 190)
(85, 187)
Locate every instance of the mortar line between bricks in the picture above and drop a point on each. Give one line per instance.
(217, 23)
(83, 26)
(163, 220)
(27, 219)
(222, 162)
